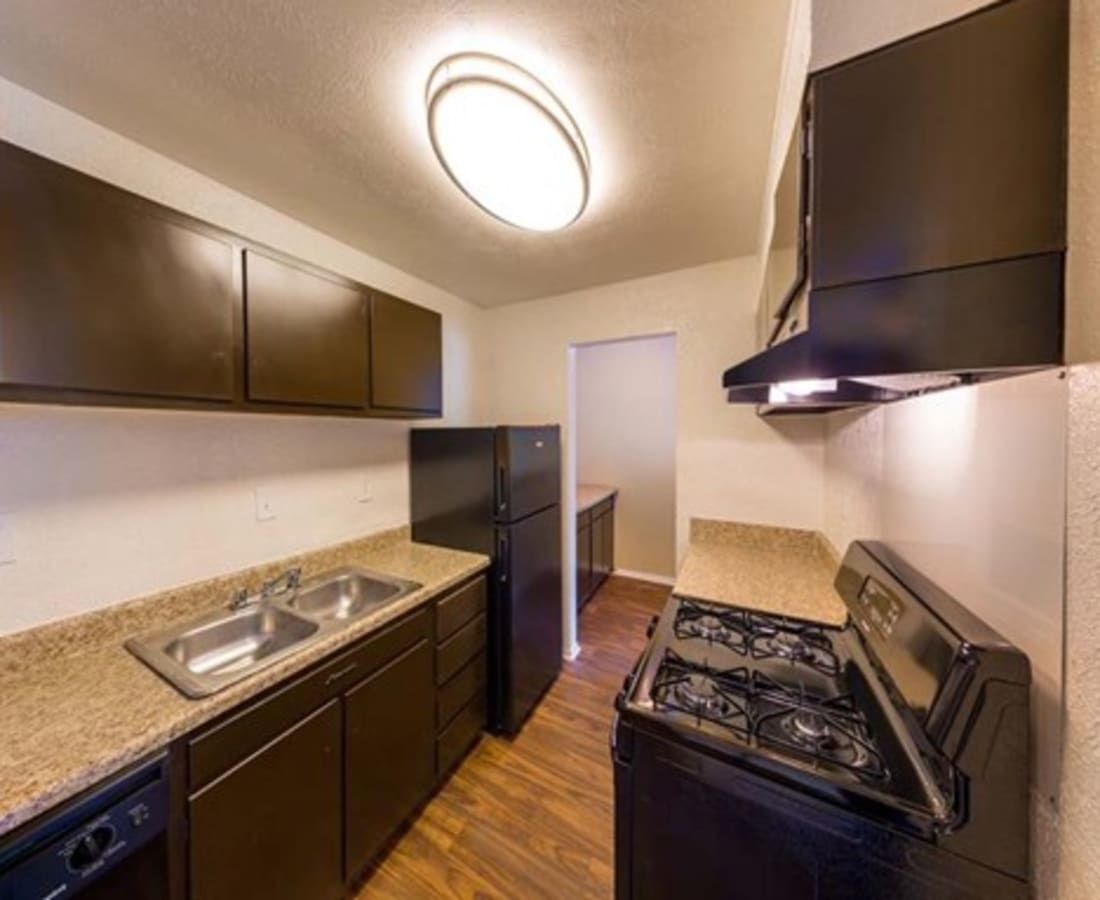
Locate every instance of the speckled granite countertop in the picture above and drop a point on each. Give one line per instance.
(75, 706)
(779, 570)
(588, 495)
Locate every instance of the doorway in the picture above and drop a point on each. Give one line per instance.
(624, 439)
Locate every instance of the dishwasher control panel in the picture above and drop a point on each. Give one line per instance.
(72, 847)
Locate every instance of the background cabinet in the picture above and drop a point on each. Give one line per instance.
(306, 336)
(101, 291)
(595, 549)
(406, 351)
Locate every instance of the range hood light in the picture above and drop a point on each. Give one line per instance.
(786, 391)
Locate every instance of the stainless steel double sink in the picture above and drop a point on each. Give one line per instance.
(203, 655)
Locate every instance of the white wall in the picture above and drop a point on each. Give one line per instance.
(105, 505)
(626, 437)
(969, 485)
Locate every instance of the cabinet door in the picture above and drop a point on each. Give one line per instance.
(101, 291)
(602, 539)
(584, 562)
(406, 343)
(389, 752)
(307, 336)
(953, 144)
(270, 827)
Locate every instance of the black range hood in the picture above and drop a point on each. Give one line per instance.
(932, 192)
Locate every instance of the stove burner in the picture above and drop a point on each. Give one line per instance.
(809, 726)
(796, 642)
(698, 694)
(715, 695)
(715, 625)
(832, 731)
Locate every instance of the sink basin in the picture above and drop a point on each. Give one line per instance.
(239, 641)
(211, 652)
(347, 594)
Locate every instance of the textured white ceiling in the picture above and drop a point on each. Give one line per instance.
(316, 108)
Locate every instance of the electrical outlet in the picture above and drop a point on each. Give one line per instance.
(265, 505)
(364, 494)
(7, 540)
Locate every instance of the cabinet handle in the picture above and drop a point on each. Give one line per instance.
(502, 559)
(336, 676)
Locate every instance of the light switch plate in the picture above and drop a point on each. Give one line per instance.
(7, 540)
(364, 494)
(265, 505)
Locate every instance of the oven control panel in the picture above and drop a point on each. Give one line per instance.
(878, 610)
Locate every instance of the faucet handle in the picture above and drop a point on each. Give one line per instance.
(240, 599)
(294, 578)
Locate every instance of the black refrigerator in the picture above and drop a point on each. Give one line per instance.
(497, 491)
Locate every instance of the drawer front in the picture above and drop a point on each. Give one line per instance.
(603, 507)
(246, 730)
(463, 688)
(458, 608)
(460, 648)
(460, 735)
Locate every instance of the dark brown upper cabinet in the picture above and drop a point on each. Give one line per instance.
(109, 299)
(306, 336)
(103, 291)
(944, 150)
(406, 355)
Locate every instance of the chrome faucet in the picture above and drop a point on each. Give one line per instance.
(287, 583)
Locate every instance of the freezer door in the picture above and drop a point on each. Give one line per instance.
(529, 595)
(451, 497)
(528, 476)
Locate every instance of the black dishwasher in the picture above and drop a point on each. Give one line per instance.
(109, 842)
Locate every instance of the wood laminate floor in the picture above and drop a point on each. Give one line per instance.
(532, 817)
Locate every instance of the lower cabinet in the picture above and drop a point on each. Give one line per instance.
(270, 826)
(461, 673)
(389, 760)
(295, 794)
(595, 548)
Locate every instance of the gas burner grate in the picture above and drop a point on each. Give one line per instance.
(774, 637)
(713, 624)
(720, 696)
(830, 730)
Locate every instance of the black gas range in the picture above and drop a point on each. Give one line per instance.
(758, 756)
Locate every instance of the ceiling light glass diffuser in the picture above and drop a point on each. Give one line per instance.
(507, 142)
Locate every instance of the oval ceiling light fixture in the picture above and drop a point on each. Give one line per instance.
(507, 142)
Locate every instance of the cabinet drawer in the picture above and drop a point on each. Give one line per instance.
(463, 688)
(454, 653)
(456, 609)
(246, 730)
(460, 735)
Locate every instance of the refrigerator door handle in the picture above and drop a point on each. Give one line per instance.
(503, 557)
(502, 489)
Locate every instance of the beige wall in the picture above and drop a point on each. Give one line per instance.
(105, 505)
(626, 437)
